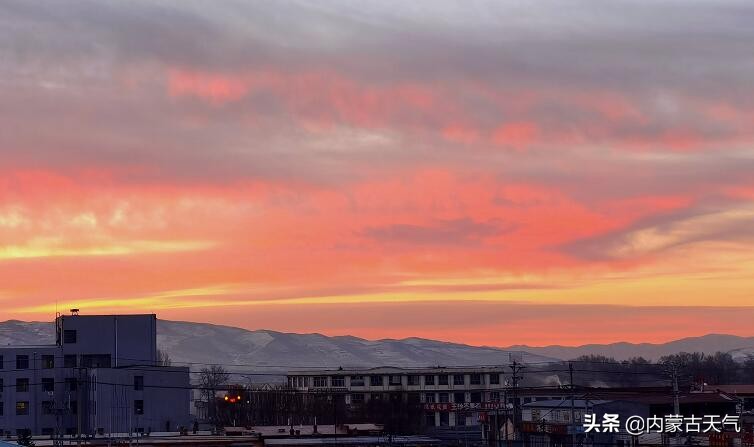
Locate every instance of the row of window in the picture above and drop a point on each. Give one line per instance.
(48, 384)
(69, 361)
(48, 407)
(48, 361)
(458, 397)
(396, 380)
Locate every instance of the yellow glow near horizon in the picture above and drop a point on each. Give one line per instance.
(49, 249)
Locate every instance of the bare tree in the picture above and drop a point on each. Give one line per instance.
(211, 380)
(163, 359)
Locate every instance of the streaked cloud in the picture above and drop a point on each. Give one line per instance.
(733, 224)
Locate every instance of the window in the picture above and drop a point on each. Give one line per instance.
(413, 398)
(338, 381)
(444, 398)
(1, 362)
(357, 380)
(476, 379)
(22, 385)
(495, 396)
(495, 379)
(413, 380)
(442, 379)
(48, 407)
(459, 379)
(138, 406)
(95, 360)
(395, 380)
(375, 380)
(357, 398)
(2, 408)
(476, 397)
(139, 383)
(320, 381)
(459, 397)
(22, 408)
(48, 384)
(48, 361)
(70, 384)
(429, 380)
(69, 361)
(69, 336)
(429, 419)
(429, 398)
(22, 362)
(444, 419)
(74, 407)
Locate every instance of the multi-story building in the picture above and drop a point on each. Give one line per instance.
(450, 396)
(101, 375)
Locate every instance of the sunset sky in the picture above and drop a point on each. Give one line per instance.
(488, 172)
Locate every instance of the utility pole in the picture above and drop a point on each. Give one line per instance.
(573, 411)
(334, 413)
(515, 368)
(505, 404)
(79, 407)
(676, 403)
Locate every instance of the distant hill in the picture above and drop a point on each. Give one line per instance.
(738, 347)
(276, 352)
(264, 355)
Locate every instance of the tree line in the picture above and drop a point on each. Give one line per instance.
(692, 368)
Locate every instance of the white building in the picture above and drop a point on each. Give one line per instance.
(101, 375)
(450, 396)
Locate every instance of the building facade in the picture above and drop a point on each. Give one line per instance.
(100, 376)
(449, 396)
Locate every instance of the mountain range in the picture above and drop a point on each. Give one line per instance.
(270, 352)
(265, 351)
(739, 348)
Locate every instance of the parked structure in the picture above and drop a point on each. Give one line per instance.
(101, 375)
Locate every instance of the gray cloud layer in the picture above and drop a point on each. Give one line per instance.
(84, 83)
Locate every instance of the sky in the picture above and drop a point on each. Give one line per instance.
(491, 172)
